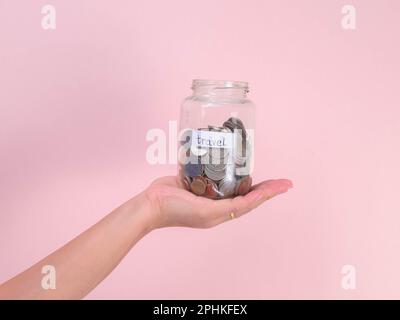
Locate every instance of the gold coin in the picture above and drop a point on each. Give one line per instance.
(198, 185)
(244, 186)
(186, 183)
(211, 189)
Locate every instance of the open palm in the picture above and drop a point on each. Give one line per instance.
(175, 206)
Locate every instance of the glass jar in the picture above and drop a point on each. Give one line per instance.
(215, 157)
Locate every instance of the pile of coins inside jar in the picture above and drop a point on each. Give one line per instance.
(217, 172)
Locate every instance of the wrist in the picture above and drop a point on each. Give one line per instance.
(146, 211)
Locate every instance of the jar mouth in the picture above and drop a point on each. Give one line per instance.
(220, 84)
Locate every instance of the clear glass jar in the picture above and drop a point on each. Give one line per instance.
(215, 157)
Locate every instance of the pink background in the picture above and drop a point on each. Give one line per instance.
(76, 103)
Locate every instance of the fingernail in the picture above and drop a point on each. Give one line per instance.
(288, 183)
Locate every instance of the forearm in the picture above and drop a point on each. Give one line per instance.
(85, 261)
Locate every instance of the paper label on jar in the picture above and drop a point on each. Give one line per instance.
(212, 139)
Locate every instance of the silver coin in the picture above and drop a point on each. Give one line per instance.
(227, 186)
(215, 128)
(233, 122)
(230, 170)
(216, 167)
(214, 175)
(236, 125)
(224, 129)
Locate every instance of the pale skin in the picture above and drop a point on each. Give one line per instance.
(85, 261)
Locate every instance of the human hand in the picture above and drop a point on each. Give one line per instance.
(172, 205)
(86, 260)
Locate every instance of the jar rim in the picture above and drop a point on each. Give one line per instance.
(220, 84)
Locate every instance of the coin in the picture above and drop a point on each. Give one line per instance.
(211, 189)
(216, 167)
(235, 125)
(214, 128)
(212, 171)
(243, 186)
(218, 155)
(227, 186)
(214, 175)
(198, 185)
(233, 122)
(186, 183)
